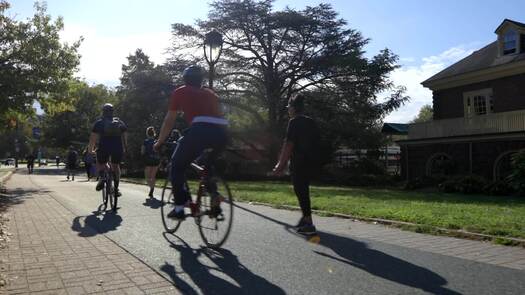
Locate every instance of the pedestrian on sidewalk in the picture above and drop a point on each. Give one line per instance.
(88, 163)
(301, 147)
(30, 158)
(71, 165)
(151, 159)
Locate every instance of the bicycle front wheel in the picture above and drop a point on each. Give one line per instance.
(167, 205)
(216, 214)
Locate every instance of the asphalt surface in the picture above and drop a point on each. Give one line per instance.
(264, 256)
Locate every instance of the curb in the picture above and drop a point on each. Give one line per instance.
(397, 224)
(403, 224)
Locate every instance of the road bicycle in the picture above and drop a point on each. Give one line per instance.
(211, 206)
(108, 192)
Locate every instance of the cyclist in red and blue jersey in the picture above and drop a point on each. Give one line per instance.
(207, 130)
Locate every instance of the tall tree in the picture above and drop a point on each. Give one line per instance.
(426, 113)
(270, 55)
(143, 98)
(34, 64)
(73, 124)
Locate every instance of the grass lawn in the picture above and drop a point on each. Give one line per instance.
(501, 216)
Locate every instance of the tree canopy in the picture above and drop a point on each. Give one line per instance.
(34, 64)
(270, 55)
(426, 113)
(73, 125)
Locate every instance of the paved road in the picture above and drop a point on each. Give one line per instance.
(262, 256)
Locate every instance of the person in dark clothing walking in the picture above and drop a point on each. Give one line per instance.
(151, 159)
(71, 165)
(30, 162)
(88, 163)
(301, 147)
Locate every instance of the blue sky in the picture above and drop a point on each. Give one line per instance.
(427, 35)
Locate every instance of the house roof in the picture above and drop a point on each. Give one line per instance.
(394, 128)
(509, 21)
(483, 58)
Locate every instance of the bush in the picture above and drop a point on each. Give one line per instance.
(517, 176)
(469, 184)
(422, 182)
(498, 188)
(348, 176)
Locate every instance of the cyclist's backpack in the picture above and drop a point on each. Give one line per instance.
(112, 127)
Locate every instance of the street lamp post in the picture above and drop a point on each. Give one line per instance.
(212, 52)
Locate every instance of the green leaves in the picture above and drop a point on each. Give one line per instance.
(34, 63)
(275, 54)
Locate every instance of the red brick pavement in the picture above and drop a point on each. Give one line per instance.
(45, 256)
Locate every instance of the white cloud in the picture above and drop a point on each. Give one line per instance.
(102, 56)
(412, 76)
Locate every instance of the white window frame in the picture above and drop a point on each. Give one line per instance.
(468, 110)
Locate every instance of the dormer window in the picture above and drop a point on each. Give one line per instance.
(510, 42)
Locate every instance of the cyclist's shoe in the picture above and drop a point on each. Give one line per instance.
(179, 215)
(100, 185)
(301, 223)
(308, 229)
(215, 211)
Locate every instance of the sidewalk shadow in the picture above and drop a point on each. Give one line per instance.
(208, 283)
(96, 223)
(16, 196)
(48, 171)
(377, 263)
(153, 203)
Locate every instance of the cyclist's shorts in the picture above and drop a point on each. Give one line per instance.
(103, 156)
(152, 161)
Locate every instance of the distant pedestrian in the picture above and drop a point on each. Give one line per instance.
(71, 165)
(88, 163)
(30, 158)
(151, 159)
(301, 147)
(57, 160)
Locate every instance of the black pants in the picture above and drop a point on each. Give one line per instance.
(301, 186)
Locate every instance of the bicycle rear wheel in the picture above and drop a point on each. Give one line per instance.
(111, 194)
(167, 205)
(105, 197)
(215, 226)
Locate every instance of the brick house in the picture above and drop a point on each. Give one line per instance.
(479, 113)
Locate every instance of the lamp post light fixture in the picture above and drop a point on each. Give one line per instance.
(212, 52)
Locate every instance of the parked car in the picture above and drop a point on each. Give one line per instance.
(10, 161)
(42, 162)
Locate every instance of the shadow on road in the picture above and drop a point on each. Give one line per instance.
(96, 223)
(16, 196)
(47, 171)
(208, 283)
(153, 203)
(357, 254)
(12, 198)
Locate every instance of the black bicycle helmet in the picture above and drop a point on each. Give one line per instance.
(107, 110)
(193, 75)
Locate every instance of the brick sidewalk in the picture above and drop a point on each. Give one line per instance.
(45, 256)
